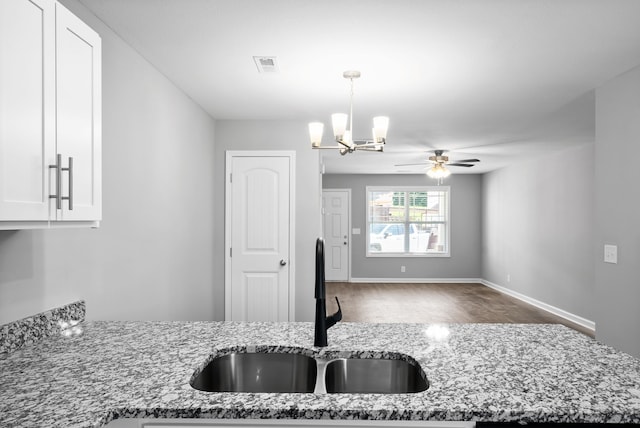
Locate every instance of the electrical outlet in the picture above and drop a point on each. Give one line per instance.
(610, 253)
(403, 269)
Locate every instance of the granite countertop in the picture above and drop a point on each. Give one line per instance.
(99, 371)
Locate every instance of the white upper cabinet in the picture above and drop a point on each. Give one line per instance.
(27, 107)
(50, 109)
(78, 102)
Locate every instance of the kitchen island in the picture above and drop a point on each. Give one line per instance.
(103, 371)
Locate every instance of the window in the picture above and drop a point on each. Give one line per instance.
(408, 221)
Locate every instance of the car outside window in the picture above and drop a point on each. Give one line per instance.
(408, 221)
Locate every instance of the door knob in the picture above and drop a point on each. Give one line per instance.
(345, 242)
(283, 262)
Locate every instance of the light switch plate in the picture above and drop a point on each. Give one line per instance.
(610, 253)
(355, 231)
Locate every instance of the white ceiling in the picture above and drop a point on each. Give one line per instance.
(492, 79)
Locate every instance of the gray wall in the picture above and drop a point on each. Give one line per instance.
(618, 211)
(271, 135)
(152, 256)
(538, 228)
(466, 211)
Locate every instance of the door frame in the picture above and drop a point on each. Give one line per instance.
(230, 155)
(349, 230)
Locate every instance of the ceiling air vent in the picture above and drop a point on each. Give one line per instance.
(266, 64)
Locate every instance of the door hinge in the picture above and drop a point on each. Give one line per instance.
(230, 252)
(231, 177)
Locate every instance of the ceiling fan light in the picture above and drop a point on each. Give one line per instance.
(339, 123)
(438, 171)
(316, 130)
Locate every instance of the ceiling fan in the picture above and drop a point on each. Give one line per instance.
(438, 162)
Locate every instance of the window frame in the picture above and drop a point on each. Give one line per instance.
(407, 222)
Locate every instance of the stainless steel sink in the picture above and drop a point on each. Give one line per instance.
(279, 372)
(374, 376)
(258, 372)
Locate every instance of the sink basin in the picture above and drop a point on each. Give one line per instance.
(280, 372)
(374, 376)
(258, 372)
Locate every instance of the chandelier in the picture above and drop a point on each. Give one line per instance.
(343, 135)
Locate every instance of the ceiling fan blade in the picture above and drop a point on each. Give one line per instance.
(412, 164)
(460, 164)
(466, 160)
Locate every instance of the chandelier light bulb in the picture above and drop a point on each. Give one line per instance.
(347, 138)
(339, 123)
(316, 130)
(380, 127)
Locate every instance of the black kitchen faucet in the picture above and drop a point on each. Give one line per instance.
(323, 322)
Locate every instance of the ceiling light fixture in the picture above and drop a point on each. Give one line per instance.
(439, 172)
(343, 135)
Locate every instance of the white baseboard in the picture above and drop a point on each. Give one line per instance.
(588, 324)
(420, 280)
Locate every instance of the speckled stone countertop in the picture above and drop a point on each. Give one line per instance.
(490, 372)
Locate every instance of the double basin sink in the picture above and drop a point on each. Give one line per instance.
(281, 372)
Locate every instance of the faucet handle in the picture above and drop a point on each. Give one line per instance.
(333, 319)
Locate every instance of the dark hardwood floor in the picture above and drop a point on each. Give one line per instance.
(434, 303)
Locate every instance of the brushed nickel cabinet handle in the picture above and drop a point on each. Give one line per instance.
(70, 170)
(58, 195)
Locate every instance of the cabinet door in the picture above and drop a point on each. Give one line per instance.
(27, 107)
(79, 133)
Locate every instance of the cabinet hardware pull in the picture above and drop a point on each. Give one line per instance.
(58, 195)
(70, 170)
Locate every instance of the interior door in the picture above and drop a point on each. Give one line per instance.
(335, 204)
(258, 220)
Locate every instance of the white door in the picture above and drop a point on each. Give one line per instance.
(336, 204)
(27, 107)
(259, 223)
(79, 115)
